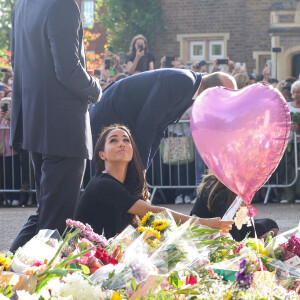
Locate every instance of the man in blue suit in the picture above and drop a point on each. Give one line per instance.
(51, 91)
(148, 102)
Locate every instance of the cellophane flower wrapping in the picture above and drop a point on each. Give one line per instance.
(119, 244)
(176, 251)
(41, 247)
(285, 245)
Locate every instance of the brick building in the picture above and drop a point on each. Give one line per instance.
(245, 31)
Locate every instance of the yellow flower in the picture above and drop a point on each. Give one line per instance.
(116, 296)
(5, 261)
(154, 232)
(228, 296)
(241, 294)
(145, 218)
(153, 244)
(161, 224)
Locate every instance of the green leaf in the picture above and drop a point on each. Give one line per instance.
(112, 274)
(133, 285)
(174, 279)
(85, 269)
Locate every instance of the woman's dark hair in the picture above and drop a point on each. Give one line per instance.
(135, 180)
(132, 50)
(210, 181)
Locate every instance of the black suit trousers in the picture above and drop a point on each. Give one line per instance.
(58, 181)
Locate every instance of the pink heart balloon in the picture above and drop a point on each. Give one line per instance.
(241, 135)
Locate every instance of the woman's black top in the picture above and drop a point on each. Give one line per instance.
(143, 64)
(104, 205)
(219, 207)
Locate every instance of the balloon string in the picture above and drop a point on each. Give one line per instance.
(257, 247)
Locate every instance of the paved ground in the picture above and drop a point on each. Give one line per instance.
(11, 219)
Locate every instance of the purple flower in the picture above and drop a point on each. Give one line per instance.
(243, 263)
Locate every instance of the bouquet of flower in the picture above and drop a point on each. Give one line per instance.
(40, 248)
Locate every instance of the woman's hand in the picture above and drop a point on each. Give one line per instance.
(217, 223)
(139, 54)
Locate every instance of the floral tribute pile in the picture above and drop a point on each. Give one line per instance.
(158, 260)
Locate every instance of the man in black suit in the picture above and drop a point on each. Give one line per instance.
(148, 102)
(51, 91)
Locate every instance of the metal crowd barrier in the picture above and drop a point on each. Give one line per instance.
(160, 175)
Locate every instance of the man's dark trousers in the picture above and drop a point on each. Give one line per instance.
(51, 172)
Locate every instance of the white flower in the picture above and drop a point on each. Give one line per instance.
(23, 295)
(241, 217)
(73, 287)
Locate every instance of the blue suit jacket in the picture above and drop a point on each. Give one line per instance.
(147, 103)
(51, 87)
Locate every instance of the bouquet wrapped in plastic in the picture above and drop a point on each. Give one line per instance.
(41, 247)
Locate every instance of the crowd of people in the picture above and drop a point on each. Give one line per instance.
(15, 166)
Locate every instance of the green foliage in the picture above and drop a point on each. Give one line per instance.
(125, 19)
(174, 279)
(6, 8)
(6, 291)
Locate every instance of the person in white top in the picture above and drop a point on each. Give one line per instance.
(292, 194)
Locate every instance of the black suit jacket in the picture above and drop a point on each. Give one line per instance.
(147, 103)
(51, 87)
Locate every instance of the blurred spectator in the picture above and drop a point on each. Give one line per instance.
(266, 72)
(286, 89)
(252, 78)
(97, 74)
(8, 93)
(182, 174)
(11, 161)
(139, 58)
(120, 76)
(2, 92)
(242, 80)
(199, 66)
(165, 63)
(280, 86)
(103, 84)
(292, 194)
(273, 82)
(8, 74)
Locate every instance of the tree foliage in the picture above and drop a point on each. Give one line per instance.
(125, 19)
(93, 60)
(6, 9)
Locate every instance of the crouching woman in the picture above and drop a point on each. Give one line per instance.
(117, 194)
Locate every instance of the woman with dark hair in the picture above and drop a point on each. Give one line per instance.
(139, 58)
(213, 200)
(117, 194)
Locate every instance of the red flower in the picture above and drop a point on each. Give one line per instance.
(104, 257)
(190, 279)
(241, 246)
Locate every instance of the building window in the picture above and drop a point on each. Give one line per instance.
(216, 50)
(87, 8)
(203, 46)
(197, 50)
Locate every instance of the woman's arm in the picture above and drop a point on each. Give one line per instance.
(141, 207)
(151, 65)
